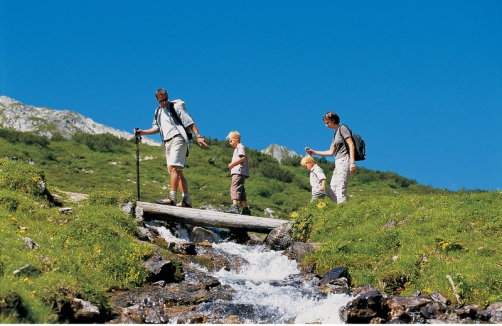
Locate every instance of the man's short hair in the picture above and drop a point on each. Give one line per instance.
(307, 159)
(161, 91)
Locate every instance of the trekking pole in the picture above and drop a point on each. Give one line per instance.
(138, 140)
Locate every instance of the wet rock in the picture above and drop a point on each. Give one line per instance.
(200, 234)
(469, 311)
(279, 238)
(238, 236)
(144, 234)
(183, 248)
(441, 321)
(495, 311)
(299, 249)
(431, 310)
(369, 304)
(84, 311)
(436, 296)
(254, 240)
(407, 309)
(335, 281)
(30, 244)
(160, 268)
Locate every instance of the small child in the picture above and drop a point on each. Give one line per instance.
(239, 170)
(317, 178)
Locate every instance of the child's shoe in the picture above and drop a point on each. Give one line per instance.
(234, 210)
(246, 211)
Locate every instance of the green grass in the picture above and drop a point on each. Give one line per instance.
(409, 243)
(84, 254)
(91, 163)
(393, 233)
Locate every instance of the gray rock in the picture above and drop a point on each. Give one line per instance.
(279, 238)
(160, 268)
(184, 248)
(369, 304)
(27, 270)
(66, 210)
(299, 249)
(145, 234)
(84, 311)
(269, 213)
(30, 244)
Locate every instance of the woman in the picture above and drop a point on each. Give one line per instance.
(344, 165)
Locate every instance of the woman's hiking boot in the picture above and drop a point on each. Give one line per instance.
(185, 202)
(169, 200)
(246, 211)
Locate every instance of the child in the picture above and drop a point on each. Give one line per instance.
(317, 178)
(239, 170)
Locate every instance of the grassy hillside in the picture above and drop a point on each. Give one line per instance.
(408, 243)
(98, 162)
(393, 233)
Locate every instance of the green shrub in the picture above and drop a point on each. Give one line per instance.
(19, 176)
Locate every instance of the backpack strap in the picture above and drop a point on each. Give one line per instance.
(344, 141)
(177, 118)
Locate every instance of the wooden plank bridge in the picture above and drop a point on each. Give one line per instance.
(202, 217)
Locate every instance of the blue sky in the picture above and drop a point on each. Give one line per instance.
(421, 81)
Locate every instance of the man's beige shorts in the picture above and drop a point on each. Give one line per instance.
(176, 151)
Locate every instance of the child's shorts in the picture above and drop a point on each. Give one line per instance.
(237, 191)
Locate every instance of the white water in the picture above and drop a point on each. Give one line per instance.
(256, 284)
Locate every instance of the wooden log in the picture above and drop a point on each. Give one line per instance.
(202, 217)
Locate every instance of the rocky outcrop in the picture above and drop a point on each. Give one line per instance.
(44, 121)
(279, 152)
(373, 306)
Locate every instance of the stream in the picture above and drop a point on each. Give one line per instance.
(267, 287)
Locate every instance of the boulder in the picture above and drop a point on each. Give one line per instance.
(279, 238)
(183, 248)
(84, 311)
(160, 268)
(335, 281)
(370, 303)
(299, 249)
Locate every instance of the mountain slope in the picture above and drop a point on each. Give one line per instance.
(44, 121)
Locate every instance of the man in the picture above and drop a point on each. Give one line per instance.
(176, 143)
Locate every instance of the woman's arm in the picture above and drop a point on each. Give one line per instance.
(329, 152)
(350, 142)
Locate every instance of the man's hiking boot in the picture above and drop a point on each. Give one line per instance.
(234, 210)
(169, 200)
(185, 202)
(246, 211)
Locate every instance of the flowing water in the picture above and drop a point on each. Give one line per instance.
(268, 288)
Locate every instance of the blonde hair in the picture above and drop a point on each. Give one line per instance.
(307, 159)
(234, 134)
